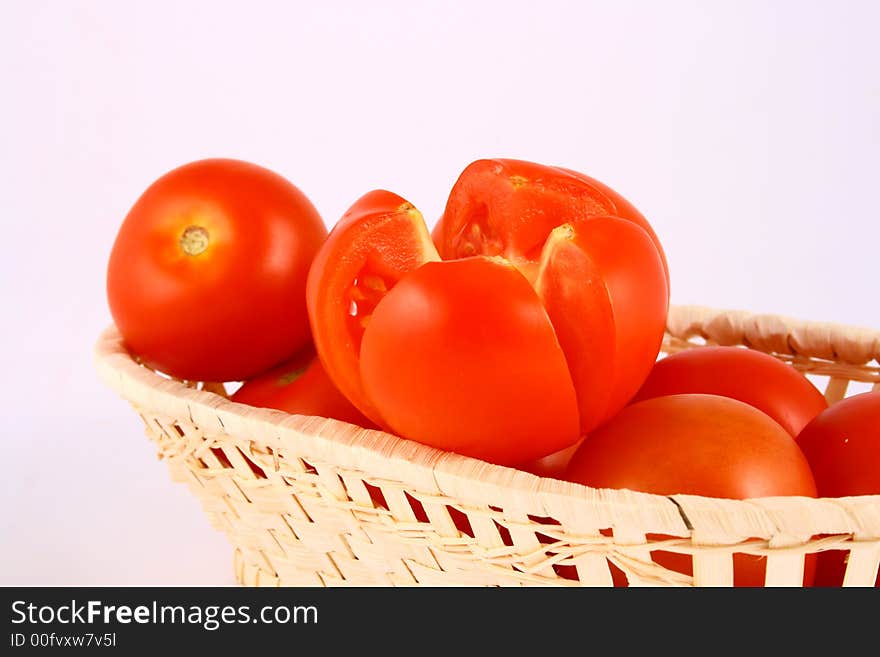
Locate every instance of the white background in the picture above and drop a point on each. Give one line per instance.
(747, 132)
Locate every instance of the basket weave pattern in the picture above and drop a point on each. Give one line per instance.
(309, 501)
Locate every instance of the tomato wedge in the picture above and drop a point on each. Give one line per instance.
(461, 354)
(378, 240)
(509, 207)
(602, 283)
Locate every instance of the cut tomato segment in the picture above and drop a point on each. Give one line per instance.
(380, 238)
(577, 302)
(509, 207)
(620, 207)
(604, 288)
(461, 355)
(636, 280)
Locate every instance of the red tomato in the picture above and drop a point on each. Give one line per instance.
(594, 259)
(842, 445)
(206, 278)
(698, 445)
(378, 240)
(602, 284)
(461, 356)
(300, 386)
(509, 207)
(747, 375)
(582, 309)
(551, 465)
(436, 233)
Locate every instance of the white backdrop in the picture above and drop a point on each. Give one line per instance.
(747, 132)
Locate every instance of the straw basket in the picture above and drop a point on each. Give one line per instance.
(312, 501)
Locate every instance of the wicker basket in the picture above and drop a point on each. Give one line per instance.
(311, 501)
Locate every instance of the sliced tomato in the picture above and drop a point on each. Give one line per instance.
(594, 259)
(381, 238)
(462, 355)
(603, 285)
(509, 207)
(543, 318)
(618, 206)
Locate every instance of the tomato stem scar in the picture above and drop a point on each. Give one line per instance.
(194, 240)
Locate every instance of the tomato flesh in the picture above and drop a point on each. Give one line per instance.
(509, 207)
(379, 240)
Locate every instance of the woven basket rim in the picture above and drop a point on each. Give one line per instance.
(380, 455)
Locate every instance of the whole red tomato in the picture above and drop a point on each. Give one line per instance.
(696, 444)
(747, 375)
(506, 354)
(842, 445)
(300, 386)
(206, 279)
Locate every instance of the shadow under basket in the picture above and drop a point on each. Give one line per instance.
(309, 501)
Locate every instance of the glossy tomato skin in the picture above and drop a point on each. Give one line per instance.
(743, 374)
(460, 355)
(300, 386)
(696, 444)
(456, 354)
(594, 259)
(590, 272)
(842, 445)
(206, 278)
(379, 240)
(603, 285)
